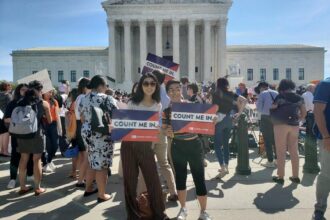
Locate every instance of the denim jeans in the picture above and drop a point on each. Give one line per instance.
(221, 140)
(52, 141)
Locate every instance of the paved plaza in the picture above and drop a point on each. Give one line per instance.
(235, 197)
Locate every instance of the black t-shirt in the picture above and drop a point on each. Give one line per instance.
(225, 101)
(10, 108)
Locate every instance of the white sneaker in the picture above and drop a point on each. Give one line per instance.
(11, 184)
(221, 174)
(182, 214)
(47, 169)
(226, 169)
(269, 164)
(52, 166)
(204, 216)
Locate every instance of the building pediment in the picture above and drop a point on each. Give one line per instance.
(123, 2)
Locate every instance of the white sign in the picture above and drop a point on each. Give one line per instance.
(42, 76)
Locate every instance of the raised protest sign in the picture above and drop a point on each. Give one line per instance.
(193, 118)
(41, 76)
(133, 125)
(158, 63)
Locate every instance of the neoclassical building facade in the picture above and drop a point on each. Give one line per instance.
(191, 33)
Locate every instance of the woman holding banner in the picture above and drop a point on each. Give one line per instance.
(135, 155)
(186, 148)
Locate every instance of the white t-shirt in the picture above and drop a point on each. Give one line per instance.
(76, 108)
(308, 98)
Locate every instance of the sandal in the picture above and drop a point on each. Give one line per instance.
(24, 191)
(39, 191)
(278, 180)
(294, 179)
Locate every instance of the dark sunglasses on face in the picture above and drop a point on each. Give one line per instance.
(146, 84)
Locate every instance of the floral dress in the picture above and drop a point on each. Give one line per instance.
(99, 148)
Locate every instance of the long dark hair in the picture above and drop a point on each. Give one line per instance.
(82, 84)
(222, 85)
(139, 95)
(17, 93)
(73, 94)
(285, 85)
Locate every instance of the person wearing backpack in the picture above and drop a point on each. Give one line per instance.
(19, 93)
(30, 136)
(287, 111)
(99, 147)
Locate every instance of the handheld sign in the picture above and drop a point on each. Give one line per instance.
(41, 76)
(193, 118)
(134, 125)
(158, 63)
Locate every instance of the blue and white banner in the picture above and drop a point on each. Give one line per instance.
(193, 118)
(154, 62)
(134, 125)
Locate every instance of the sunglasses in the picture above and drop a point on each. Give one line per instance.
(146, 84)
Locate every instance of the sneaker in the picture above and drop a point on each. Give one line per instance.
(11, 184)
(318, 215)
(226, 169)
(182, 214)
(269, 164)
(221, 174)
(204, 216)
(47, 169)
(52, 166)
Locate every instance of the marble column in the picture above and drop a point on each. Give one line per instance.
(112, 50)
(143, 42)
(207, 50)
(176, 44)
(128, 51)
(191, 49)
(222, 48)
(159, 39)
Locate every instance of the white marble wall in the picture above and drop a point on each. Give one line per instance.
(311, 61)
(24, 65)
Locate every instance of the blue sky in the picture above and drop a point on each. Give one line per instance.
(42, 23)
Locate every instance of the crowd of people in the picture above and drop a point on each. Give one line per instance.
(65, 119)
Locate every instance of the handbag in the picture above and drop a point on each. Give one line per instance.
(144, 208)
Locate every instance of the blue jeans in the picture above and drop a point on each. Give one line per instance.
(221, 140)
(52, 141)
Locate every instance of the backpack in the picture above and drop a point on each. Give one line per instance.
(24, 122)
(287, 113)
